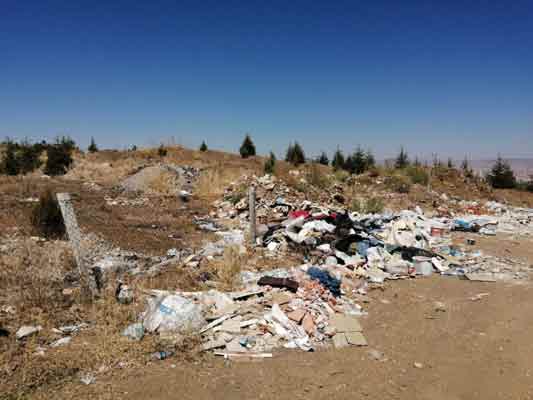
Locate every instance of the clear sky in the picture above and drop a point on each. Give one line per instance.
(452, 77)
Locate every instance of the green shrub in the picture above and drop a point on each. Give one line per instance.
(247, 148)
(501, 176)
(399, 183)
(295, 154)
(323, 159)
(59, 157)
(417, 175)
(270, 164)
(10, 164)
(46, 216)
(357, 206)
(341, 175)
(316, 177)
(203, 146)
(374, 205)
(162, 151)
(92, 147)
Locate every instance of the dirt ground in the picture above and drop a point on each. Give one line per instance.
(472, 350)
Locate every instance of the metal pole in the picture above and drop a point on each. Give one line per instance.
(251, 204)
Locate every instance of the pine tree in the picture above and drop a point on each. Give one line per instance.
(465, 167)
(417, 162)
(402, 160)
(356, 163)
(501, 176)
(323, 159)
(59, 156)
(10, 164)
(338, 161)
(450, 163)
(370, 160)
(92, 147)
(295, 154)
(28, 157)
(162, 151)
(270, 164)
(203, 146)
(247, 148)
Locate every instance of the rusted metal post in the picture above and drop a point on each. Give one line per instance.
(251, 203)
(74, 236)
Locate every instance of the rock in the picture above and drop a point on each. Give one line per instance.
(27, 330)
(418, 365)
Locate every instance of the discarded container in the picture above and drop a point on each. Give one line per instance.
(134, 331)
(172, 313)
(162, 355)
(437, 232)
(423, 265)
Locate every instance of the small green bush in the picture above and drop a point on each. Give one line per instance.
(162, 151)
(203, 146)
(399, 183)
(46, 216)
(247, 148)
(59, 157)
(373, 205)
(418, 175)
(270, 164)
(316, 177)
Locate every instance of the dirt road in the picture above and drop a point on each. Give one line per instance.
(475, 349)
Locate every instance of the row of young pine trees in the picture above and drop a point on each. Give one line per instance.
(23, 157)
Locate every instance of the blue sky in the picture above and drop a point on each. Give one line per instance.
(451, 77)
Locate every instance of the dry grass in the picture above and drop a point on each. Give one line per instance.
(229, 268)
(213, 181)
(32, 280)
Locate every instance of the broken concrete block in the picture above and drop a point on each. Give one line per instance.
(297, 315)
(356, 338)
(340, 341)
(345, 323)
(308, 324)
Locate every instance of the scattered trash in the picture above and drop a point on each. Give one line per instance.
(61, 342)
(479, 296)
(172, 313)
(124, 294)
(134, 331)
(87, 378)
(162, 355)
(27, 330)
